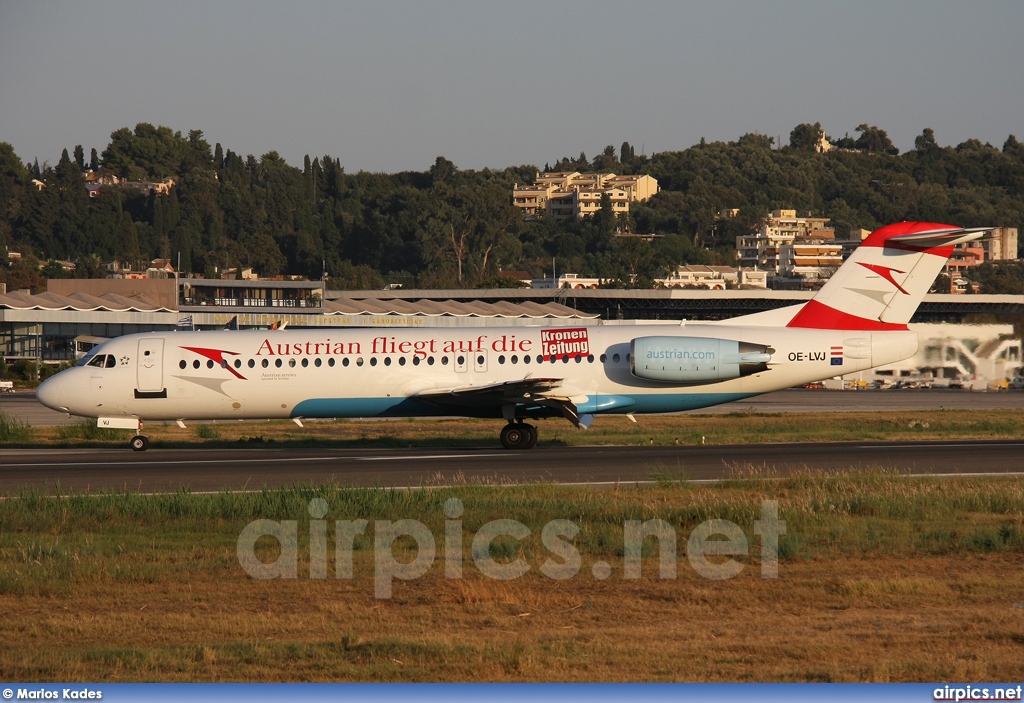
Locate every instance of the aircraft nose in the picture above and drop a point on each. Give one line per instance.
(52, 392)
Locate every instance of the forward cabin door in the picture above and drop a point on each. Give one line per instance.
(151, 366)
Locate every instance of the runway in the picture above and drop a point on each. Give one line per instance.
(24, 407)
(160, 470)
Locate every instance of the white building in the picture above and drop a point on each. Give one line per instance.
(712, 277)
(573, 194)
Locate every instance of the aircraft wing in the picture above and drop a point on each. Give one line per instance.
(507, 395)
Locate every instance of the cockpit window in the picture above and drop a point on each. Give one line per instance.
(102, 361)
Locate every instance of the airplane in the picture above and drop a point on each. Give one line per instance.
(856, 321)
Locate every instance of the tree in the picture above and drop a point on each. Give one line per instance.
(626, 154)
(470, 226)
(1011, 147)
(805, 137)
(14, 178)
(875, 140)
(80, 157)
(605, 161)
(94, 160)
(926, 140)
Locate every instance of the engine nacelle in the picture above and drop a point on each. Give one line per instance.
(696, 360)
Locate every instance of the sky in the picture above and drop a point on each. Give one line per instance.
(389, 85)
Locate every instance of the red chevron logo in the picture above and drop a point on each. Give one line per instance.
(886, 273)
(217, 356)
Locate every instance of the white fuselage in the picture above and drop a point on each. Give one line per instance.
(312, 373)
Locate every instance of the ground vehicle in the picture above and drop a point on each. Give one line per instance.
(6, 386)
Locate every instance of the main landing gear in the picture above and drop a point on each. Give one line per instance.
(518, 435)
(139, 443)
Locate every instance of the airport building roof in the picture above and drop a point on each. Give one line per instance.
(80, 302)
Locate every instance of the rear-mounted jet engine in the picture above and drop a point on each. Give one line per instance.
(696, 360)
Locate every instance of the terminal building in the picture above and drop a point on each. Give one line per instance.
(74, 314)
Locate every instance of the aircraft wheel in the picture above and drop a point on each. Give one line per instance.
(139, 443)
(516, 436)
(533, 436)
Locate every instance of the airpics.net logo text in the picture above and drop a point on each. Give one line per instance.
(711, 548)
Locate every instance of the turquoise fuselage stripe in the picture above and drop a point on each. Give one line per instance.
(600, 405)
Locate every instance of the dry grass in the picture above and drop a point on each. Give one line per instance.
(883, 578)
(930, 619)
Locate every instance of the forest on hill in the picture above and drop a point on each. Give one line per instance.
(449, 228)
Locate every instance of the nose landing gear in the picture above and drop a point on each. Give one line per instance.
(518, 435)
(139, 443)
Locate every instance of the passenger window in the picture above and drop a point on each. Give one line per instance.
(209, 363)
(444, 360)
(416, 361)
(604, 358)
(195, 364)
(615, 358)
(430, 361)
(515, 359)
(501, 359)
(291, 363)
(590, 359)
(182, 364)
(401, 361)
(278, 363)
(359, 361)
(526, 359)
(318, 361)
(266, 363)
(305, 362)
(252, 363)
(373, 361)
(387, 361)
(238, 363)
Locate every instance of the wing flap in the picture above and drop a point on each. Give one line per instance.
(508, 394)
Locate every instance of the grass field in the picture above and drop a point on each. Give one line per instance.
(881, 578)
(732, 428)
